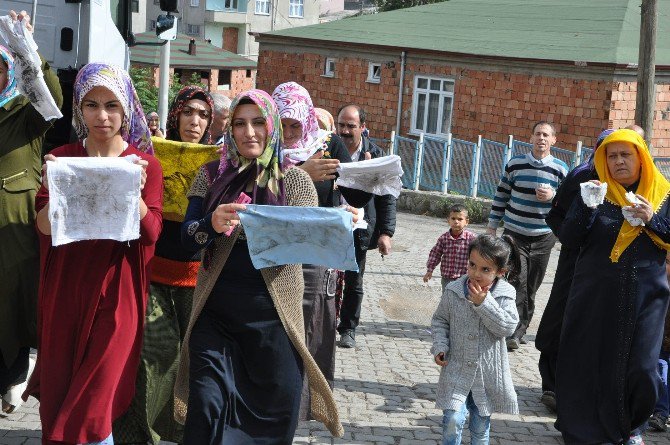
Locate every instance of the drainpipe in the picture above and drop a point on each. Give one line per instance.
(403, 59)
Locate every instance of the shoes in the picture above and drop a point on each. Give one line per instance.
(658, 422)
(12, 400)
(523, 341)
(548, 399)
(512, 343)
(635, 440)
(347, 339)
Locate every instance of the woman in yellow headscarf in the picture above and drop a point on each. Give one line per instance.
(606, 377)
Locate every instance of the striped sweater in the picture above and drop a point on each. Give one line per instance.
(515, 202)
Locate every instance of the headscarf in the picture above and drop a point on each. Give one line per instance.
(134, 128)
(9, 91)
(294, 102)
(234, 172)
(325, 119)
(588, 165)
(652, 186)
(152, 114)
(184, 95)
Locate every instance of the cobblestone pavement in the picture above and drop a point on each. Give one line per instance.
(385, 387)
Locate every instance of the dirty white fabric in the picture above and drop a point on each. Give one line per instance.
(94, 198)
(28, 66)
(628, 213)
(592, 194)
(379, 176)
(279, 235)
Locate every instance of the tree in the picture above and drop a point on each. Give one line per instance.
(390, 5)
(148, 92)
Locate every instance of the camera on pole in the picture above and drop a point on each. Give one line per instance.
(166, 24)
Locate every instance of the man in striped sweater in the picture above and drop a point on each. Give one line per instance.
(522, 201)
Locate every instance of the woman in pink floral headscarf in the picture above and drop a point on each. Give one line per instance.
(319, 153)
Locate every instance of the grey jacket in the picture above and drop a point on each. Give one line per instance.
(473, 340)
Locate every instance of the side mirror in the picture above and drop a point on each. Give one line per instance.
(166, 27)
(169, 5)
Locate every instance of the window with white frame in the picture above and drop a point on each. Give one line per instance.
(195, 3)
(152, 25)
(193, 30)
(263, 7)
(296, 8)
(433, 105)
(329, 67)
(374, 72)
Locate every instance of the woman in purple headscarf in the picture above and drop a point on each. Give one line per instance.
(93, 293)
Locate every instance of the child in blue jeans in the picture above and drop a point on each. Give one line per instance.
(475, 315)
(659, 419)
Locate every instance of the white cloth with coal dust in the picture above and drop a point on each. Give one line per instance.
(28, 67)
(94, 198)
(379, 176)
(593, 194)
(628, 210)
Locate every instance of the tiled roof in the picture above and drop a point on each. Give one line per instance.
(596, 31)
(207, 55)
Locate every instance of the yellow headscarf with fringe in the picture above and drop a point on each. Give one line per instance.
(652, 186)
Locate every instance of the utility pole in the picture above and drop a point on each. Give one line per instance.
(646, 69)
(164, 85)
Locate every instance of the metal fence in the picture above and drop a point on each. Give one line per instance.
(469, 168)
(663, 165)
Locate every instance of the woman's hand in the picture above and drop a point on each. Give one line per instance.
(158, 133)
(225, 216)
(142, 163)
(477, 294)
(23, 15)
(45, 181)
(427, 277)
(642, 210)
(320, 169)
(596, 182)
(353, 211)
(441, 359)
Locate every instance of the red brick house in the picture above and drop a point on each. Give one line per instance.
(221, 70)
(473, 67)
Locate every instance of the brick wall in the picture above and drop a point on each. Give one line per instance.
(623, 113)
(492, 103)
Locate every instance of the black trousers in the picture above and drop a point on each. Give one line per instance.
(535, 252)
(352, 297)
(549, 332)
(16, 373)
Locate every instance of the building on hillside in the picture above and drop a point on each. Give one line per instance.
(221, 70)
(471, 67)
(227, 23)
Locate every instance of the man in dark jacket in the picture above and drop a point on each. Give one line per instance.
(379, 213)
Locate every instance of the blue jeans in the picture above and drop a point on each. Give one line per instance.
(453, 422)
(663, 404)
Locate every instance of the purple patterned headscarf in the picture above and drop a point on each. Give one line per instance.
(134, 128)
(294, 102)
(9, 90)
(588, 165)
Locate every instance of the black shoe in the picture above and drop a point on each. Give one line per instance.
(523, 341)
(512, 343)
(347, 339)
(658, 422)
(548, 399)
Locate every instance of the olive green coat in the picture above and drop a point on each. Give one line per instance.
(22, 131)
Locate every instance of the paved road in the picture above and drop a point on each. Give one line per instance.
(386, 386)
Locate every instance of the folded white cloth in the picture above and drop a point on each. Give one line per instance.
(628, 212)
(379, 176)
(94, 198)
(592, 194)
(28, 67)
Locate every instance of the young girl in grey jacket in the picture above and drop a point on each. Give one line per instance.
(475, 315)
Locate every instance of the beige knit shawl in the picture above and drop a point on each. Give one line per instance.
(286, 287)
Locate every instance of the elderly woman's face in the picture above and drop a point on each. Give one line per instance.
(3, 74)
(249, 131)
(193, 120)
(623, 162)
(292, 130)
(103, 113)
